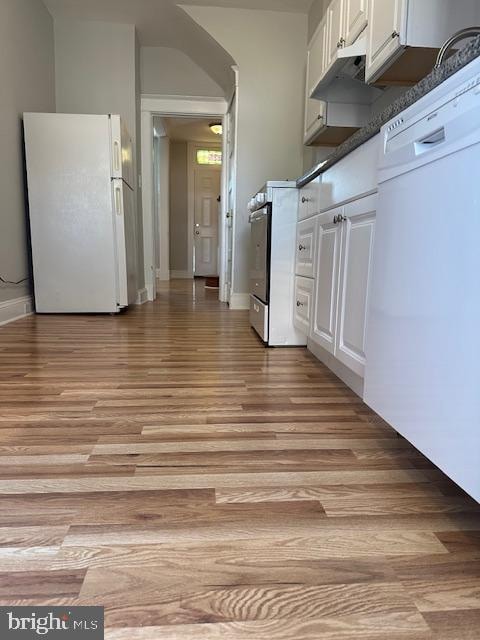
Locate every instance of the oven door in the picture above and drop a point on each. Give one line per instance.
(260, 254)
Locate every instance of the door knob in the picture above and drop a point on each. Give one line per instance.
(197, 233)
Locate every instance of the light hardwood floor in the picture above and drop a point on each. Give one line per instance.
(200, 487)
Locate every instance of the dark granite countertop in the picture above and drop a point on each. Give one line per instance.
(436, 77)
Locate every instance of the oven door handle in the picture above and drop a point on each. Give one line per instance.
(258, 215)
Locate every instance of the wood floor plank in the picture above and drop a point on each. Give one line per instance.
(162, 463)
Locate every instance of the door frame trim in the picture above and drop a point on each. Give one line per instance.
(166, 105)
(191, 150)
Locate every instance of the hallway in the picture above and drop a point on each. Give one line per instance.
(163, 464)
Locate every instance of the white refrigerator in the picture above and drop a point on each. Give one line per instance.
(82, 213)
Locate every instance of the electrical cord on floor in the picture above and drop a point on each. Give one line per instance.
(3, 281)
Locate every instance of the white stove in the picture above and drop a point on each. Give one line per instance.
(273, 220)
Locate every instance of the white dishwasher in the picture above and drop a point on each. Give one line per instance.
(423, 335)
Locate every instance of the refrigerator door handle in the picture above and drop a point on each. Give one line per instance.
(118, 201)
(116, 156)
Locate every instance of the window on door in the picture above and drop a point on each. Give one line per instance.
(209, 157)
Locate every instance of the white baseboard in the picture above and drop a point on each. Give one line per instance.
(149, 288)
(15, 309)
(181, 275)
(240, 301)
(162, 275)
(142, 296)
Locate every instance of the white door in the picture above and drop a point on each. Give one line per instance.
(334, 31)
(355, 19)
(355, 270)
(329, 241)
(386, 34)
(206, 194)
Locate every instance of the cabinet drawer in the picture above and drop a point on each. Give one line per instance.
(303, 303)
(309, 199)
(306, 245)
(259, 317)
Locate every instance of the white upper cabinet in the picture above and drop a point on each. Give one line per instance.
(404, 36)
(355, 19)
(386, 32)
(335, 38)
(316, 57)
(314, 109)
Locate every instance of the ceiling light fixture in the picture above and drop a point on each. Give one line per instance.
(216, 128)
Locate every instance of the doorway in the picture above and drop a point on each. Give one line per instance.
(156, 219)
(193, 184)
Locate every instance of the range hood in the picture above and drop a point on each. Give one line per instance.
(347, 73)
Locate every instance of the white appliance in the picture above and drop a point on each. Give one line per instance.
(82, 213)
(273, 221)
(423, 336)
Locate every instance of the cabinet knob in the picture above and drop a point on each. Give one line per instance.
(304, 200)
(339, 44)
(300, 304)
(339, 218)
(301, 247)
(395, 34)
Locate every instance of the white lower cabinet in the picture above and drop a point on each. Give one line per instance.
(306, 241)
(345, 237)
(303, 304)
(329, 240)
(354, 285)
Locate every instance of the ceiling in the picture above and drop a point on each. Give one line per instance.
(159, 23)
(294, 6)
(190, 130)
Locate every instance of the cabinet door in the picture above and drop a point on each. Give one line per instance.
(355, 19)
(334, 31)
(316, 57)
(386, 34)
(355, 270)
(303, 304)
(314, 118)
(306, 239)
(329, 237)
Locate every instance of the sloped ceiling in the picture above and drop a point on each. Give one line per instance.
(294, 6)
(158, 23)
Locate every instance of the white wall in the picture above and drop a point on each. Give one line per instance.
(317, 11)
(269, 49)
(167, 71)
(161, 179)
(97, 68)
(179, 206)
(27, 83)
